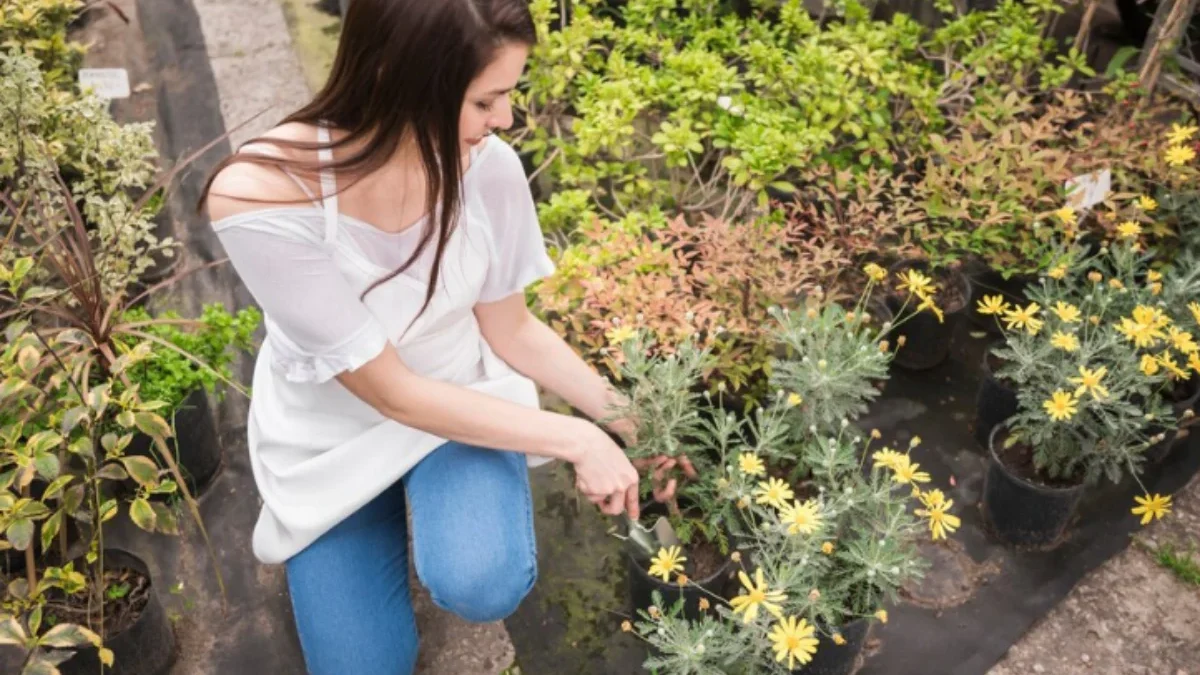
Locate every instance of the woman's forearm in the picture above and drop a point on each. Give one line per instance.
(460, 414)
(540, 354)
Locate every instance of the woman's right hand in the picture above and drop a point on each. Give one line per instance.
(603, 473)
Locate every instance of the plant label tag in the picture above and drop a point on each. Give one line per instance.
(1088, 190)
(108, 83)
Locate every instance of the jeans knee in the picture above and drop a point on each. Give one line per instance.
(483, 594)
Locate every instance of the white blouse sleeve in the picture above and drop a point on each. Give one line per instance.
(316, 324)
(518, 256)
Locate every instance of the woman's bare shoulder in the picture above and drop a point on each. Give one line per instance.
(243, 187)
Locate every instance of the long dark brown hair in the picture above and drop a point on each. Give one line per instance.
(403, 67)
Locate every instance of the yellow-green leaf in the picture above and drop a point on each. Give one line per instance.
(73, 417)
(50, 529)
(142, 469)
(65, 635)
(142, 514)
(11, 632)
(152, 425)
(42, 442)
(27, 359)
(20, 533)
(47, 465)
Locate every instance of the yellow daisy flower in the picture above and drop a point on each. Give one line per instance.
(916, 283)
(755, 595)
(1154, 275)
(1194, 361)
(875, 272)
(1147, 203)
(940, 522)
(667, 562)
(1149, 365)
(1066, 312)
(1024, 317)
(1057, 272)
(801, 518)
(1182, 341)
(1089, 381)
(1067, 215)
(773, 492)
(1061, 406)
(905, 472)
(1194, 307)
(1179, 155)
(793, 640)
(1129, 230)
(1065, 341)
(794, 400)
(1180, 134)
(1156, 288)
(620, 334)
(1151, 507)
(751, 464)
(992, 304)
(1167, 360)
(927, 304)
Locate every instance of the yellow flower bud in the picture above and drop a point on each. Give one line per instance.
(900, 341)
(736, 556)
(1094, 319)
(1095, 277)
(811, 313)
(827, 548)
(881, 615)
(916, 440)
(626, 627)
(704, 604)
(875, 434)
(883, 346)
(652, 611)
(838, 639)
(682, 580)
(814, 595)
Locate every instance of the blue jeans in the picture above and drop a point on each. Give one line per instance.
(473, 548)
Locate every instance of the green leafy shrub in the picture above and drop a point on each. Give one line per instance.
(687, 106)
(171, 373)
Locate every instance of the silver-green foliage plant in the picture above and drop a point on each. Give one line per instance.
(833, 360)
(661, 394)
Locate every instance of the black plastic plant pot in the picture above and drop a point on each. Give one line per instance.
(1021, 513)
(642, 585)
(995, 402)
(196, 444)
(147, 647)
(926, 340)
(834, 659)
(991, 282)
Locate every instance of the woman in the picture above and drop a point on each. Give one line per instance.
(388, 237)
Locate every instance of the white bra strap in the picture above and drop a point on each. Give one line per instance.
(328, 185)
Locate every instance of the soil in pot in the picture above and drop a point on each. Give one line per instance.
(705, 566)
(995, 402)
(1022, 507)
(927, 340)
(135, 627)
(834, 659)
